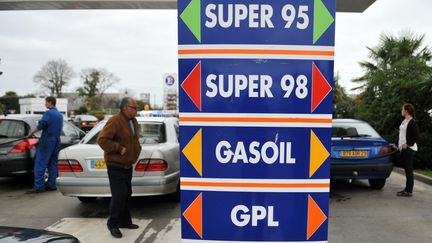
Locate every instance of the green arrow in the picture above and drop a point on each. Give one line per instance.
(322, 20)
(191, 16)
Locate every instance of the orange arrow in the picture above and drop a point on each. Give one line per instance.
(193, 214)
(320, 87)
(192, 85)
(315, 218)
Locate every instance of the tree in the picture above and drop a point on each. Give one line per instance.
(10, 101)
(106, 81)
(398, 72)
(343, 105)
(94, 103)
(82, 110)
(54, 75)
(96, 82)
(90, 78)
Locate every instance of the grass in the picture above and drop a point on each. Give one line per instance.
(425, 172)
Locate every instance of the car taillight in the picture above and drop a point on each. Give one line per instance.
(84, 123)
(151, 165)
(386, 150)
(64, 165)
(24, 145)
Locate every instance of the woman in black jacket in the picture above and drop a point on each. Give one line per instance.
(408, 134)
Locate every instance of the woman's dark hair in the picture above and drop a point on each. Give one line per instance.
(410, 109)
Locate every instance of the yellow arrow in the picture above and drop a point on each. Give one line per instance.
(193, 151)
(318, 154)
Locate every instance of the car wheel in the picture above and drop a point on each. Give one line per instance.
(377, 184)
(46, 177)
(87, 199)
(175, 197)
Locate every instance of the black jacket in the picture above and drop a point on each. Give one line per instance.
(412, 133)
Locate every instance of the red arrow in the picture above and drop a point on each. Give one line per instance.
(192, 85)
(320, 87)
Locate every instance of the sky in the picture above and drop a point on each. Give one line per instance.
(139, 46)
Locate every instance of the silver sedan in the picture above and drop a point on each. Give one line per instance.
(83, 173)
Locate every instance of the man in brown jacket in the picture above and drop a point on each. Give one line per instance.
(119, 141)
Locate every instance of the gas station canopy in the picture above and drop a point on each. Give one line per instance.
(356, 6)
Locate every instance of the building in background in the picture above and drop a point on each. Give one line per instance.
(74, 101)
(170, 100)
(109, 102)
(145, 97)
(37, 106)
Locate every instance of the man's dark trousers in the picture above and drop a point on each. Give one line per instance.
(46, 158)
(121, 191)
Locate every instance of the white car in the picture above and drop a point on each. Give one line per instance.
(82, 169)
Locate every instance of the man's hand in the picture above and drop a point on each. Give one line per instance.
(32, 132)
(404, 146)
(122, 150)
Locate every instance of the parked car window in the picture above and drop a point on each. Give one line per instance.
(92, 135)
(12, 129)
(152, 133)
(87, 118)
(177, 130)
(353, 130)
(69, 131)
(93, 140)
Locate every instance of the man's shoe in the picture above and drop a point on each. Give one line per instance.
(35, 191)
(131, 226)
(399, 193)
(115, 232)
(405, 194)
(50, 189)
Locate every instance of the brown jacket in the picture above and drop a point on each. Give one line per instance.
(117, 133)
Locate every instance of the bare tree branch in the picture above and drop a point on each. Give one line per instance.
(54, 75)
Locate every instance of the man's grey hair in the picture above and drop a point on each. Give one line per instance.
(124, 102)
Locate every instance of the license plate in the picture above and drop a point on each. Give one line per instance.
(354, 153)
(98, 164)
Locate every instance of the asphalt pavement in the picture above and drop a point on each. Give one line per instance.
(357, 214)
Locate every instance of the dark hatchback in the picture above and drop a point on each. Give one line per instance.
(359, 152)
(85, 122)
(17, 234)
(17, 152)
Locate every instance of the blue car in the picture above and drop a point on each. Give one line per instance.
(359, 152)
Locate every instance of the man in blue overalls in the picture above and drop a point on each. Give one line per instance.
(48, 147)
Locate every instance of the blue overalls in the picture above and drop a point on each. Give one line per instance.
(48, 149)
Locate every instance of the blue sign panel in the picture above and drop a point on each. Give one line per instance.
(294, 22)
(260, 153)
(255, 102)
(271, 217)
(249, 86)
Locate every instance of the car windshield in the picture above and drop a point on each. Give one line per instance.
(88, 118)
(12, 129)
(150, 133)
(353, 130)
